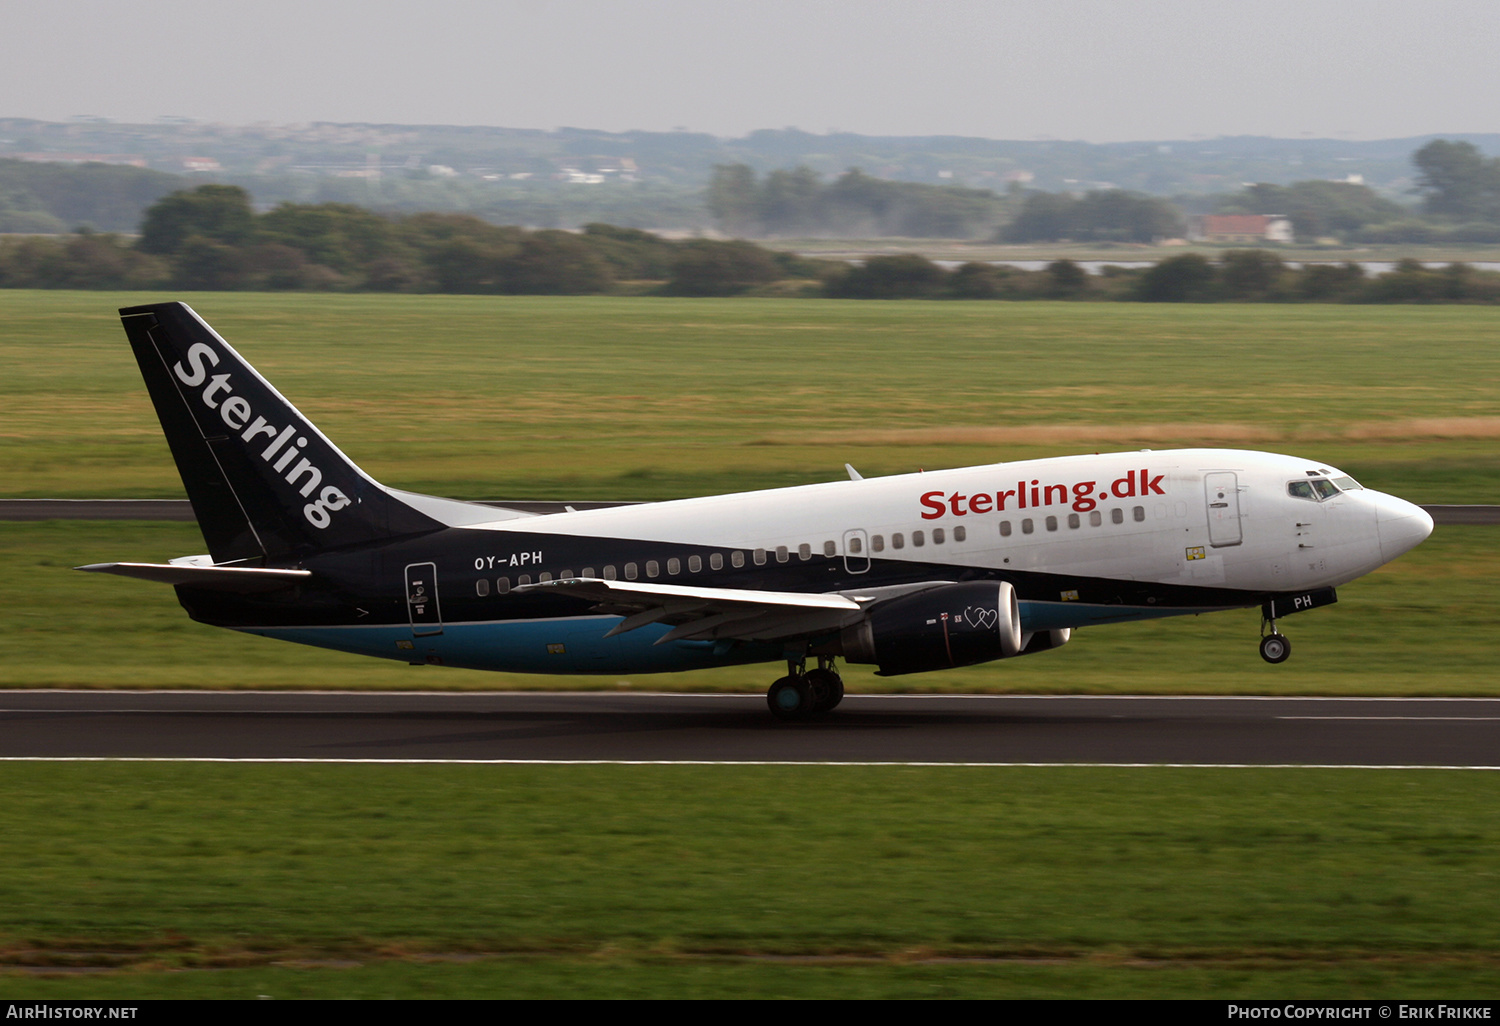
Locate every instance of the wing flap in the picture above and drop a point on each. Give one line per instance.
(696, 614)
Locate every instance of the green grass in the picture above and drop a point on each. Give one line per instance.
(701, 881)
(1120, 882)
(608, 975)
(1421, 625)
(652, 398)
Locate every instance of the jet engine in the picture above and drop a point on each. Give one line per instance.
(954, 625)
(1041, 641)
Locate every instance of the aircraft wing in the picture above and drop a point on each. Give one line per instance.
(705, 614)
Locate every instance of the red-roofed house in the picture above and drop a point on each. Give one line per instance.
(1239, 228)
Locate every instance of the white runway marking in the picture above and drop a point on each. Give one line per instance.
(1459, 718)
(737, 762)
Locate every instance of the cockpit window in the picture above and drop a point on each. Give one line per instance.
(1348, 484)
(1317, 489)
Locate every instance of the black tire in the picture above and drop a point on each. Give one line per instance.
(1274, 648)
(790, 698)
(827, 689)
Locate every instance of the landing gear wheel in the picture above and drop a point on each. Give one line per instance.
(827, 689)
(1274, 648)
(790, 698)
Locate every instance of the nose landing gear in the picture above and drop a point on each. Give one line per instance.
(1274, 647)
(802, 694)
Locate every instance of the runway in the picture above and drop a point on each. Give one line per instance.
(638, 727)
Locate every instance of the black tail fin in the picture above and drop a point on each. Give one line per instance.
(264, 483)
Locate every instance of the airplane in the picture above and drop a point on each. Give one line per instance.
(911, 573)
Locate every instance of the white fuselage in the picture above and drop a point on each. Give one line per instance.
(1217, 518)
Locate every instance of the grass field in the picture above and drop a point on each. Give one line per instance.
(647, 398)
(712, 882)
(764, 881)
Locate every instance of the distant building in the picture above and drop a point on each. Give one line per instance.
(1235, 229)
(201, 164)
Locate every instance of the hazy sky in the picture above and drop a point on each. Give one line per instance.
(1098, 70)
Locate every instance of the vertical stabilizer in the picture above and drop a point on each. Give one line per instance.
(264, 482)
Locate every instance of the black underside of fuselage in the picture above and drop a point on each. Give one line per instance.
(366, 585)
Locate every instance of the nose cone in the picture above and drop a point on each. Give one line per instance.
(1402, 525)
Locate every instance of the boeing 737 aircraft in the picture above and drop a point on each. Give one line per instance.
(912, 573)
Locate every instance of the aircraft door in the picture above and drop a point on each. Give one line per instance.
(1222, 493)
(856, 551)
(422, 599)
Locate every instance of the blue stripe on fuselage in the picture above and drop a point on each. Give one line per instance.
(566, 645)
(578, 644)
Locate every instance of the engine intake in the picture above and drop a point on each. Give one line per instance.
(955, 625)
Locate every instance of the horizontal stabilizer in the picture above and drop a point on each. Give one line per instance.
(215, 578)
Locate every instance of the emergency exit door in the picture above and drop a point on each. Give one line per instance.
(422, 599)
(1221, 491)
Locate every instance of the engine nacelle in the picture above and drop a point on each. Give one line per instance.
(955, 625)
(1042, 641)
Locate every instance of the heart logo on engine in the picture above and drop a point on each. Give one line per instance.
(981, 617)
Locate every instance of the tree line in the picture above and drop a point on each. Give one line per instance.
(1459, 189)
(798, 202)
(211, 238)
(1240, 276)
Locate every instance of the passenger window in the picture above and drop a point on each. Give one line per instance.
(588, 571)
(877, 543)
(738, 559)
(1096, 518)
(1117, 515)
(898, 540)
(1073, 521)
(781, 553)
(1051, 523)
(937, 535)
(544, 577)
(855, 548)
(959, 533)
(695, 564)
(830, 549)
(609, 573)
(918, 539)
(523, 579)
(502, 585)
(565, 575)
(1005, 528)
(804, 551)
(653, 568)
(674, 567)
(760, 557)
(1139, 513)
(716, 561)
(1027, 527)
(482, 587)
(630, 572)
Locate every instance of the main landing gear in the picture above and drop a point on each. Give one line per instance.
(803, 693)
(1274, 647)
